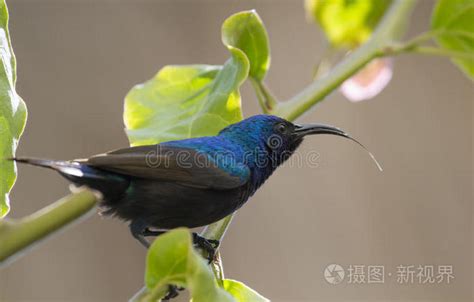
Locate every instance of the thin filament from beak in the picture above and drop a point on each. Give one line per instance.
(331, 130)
(367, 150)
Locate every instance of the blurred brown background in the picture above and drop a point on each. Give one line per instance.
(78, 59)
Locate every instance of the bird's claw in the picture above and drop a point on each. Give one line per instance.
(140, 230)
(172, 292)
(208, 245)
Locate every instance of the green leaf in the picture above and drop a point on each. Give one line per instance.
(347, 23)
(245, 30)
(172, 259)
(12, 112)
(186, 101)
(455, 20)
(241, 292)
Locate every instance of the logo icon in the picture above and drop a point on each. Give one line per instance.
(334, 274)
(274, 141)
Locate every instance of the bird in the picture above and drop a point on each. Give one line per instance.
(191, 182)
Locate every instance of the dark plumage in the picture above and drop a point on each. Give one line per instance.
(191, 182)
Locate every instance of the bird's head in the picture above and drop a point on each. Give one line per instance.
(278, 135)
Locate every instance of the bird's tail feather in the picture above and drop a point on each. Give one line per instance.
(66, 168)
(46, 163)
(108, 183)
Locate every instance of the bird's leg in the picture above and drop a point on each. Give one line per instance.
(137, 227)
(208, 245)
(139, 230)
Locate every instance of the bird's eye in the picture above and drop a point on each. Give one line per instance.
(281, 128)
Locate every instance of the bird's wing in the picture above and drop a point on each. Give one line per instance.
(167, 163)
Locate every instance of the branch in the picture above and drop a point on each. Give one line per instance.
(265, 98)
(416, 45)
(435, 51)
(389, 30)
(19, 234)
(427, 50)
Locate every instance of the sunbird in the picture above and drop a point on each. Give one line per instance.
(191, 182)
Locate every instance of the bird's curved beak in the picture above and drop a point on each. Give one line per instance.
(310, 129)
